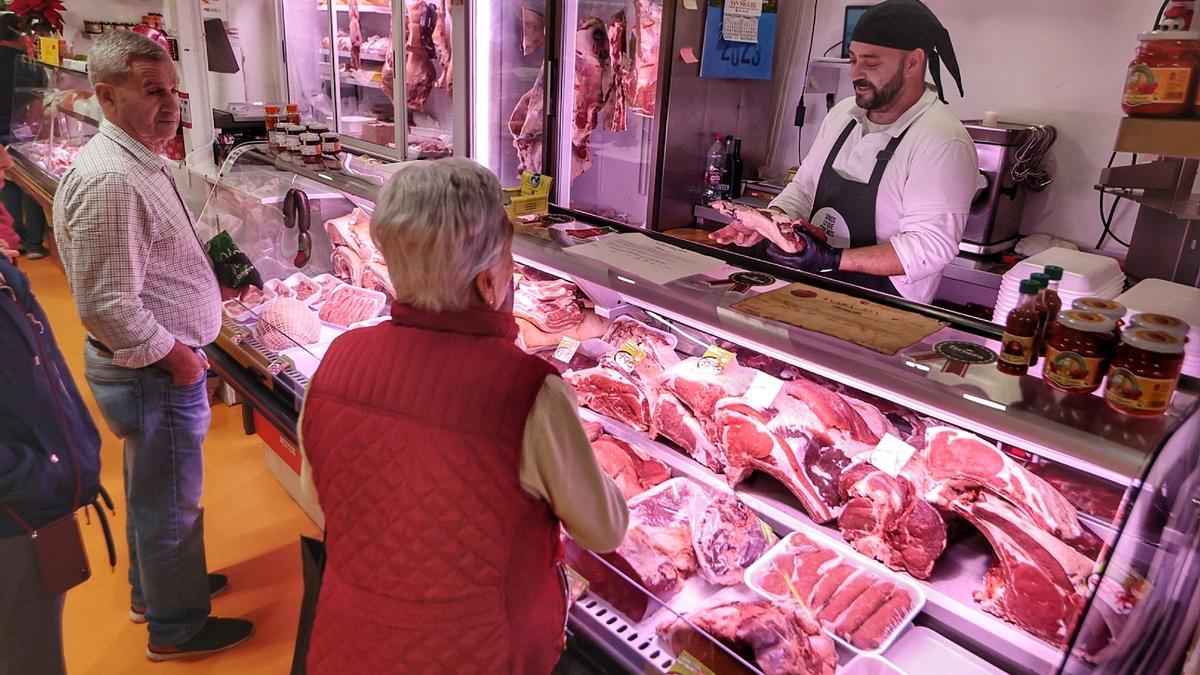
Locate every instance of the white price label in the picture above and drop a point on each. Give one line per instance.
(891, 454)
(743, 7)
(740, 29)
(763, 390)
(714, 359)
(566, 349)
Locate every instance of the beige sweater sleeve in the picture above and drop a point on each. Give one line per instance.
(558, 465)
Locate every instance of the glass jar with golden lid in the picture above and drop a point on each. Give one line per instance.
(1144, 372)
(1078, 351)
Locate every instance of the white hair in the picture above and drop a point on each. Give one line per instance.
(111, 57)
(439, 224)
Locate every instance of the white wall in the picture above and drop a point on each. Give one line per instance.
(1061, 63)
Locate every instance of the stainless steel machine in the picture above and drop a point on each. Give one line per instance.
(995, 218)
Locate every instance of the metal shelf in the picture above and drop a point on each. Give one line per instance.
(379, 57)
(1167, 137)
(1183, 209)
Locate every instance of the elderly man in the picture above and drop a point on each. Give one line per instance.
(149, 300)
(465, 455)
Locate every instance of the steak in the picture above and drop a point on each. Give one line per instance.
(1038, 582)
(348, 305)
(728, 537)
(288, 323)
(887, 519)
(633, 471)
(782, 639)
(647, 35)
(612, 393)
(956, 461)
(851, 601)
(675, 422)
(699, 389)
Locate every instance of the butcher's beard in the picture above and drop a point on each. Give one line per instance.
(878, 98)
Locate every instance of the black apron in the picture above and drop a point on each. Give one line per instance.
(855, 202)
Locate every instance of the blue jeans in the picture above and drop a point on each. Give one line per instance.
(29, 220)
(163, 427)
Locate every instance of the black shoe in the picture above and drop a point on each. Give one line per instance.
(217, 635)
(217, 584)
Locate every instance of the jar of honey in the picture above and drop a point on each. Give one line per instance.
(1161, 77)
(1176, 327)
(1078, 351)
(1109, 308)
(272, 121)
(1144, 372)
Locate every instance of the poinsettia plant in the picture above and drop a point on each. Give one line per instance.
(40, 16)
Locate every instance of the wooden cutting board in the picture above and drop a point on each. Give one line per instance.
(877, 327)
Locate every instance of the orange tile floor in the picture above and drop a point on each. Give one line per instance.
(252, 530)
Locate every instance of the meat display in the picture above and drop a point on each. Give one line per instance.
(375, 277)
(347, 266)
(611, 392)
(546, 302)
(782, 639)
(533, 30)
(728, 537)
(288, 323)
(615, 95)
(442, 48)
(592, 67)
(419, 54)
(527, 125)
(956, 460)
(850, 600)
(349, 305)
(353, 231)
(887, 519)
(647, 37)
(675, 422)
(658, 345)
(633, 471)
(1038, 582)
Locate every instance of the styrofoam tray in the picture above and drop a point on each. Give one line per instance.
(866, 664)
(922, 650)
(1082, 272)
(755, 571)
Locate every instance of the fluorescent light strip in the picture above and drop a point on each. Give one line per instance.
(983, 401)
(482, 81)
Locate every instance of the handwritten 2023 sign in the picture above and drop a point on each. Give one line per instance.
(740, 60)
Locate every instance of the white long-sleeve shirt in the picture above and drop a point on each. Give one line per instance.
(557, 465)
(924, 195)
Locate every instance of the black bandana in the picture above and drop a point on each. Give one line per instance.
(908, 24)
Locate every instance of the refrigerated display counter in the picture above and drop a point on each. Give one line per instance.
(908, 510)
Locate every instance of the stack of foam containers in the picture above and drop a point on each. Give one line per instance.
(1166, 297)
(1085, 275)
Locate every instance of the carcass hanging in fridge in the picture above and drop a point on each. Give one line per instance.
(593, 68)
(533, 30)
(443, 51)
(419, 54)
(614, 97)
(647, 34)
(356, 36)
(527, 125)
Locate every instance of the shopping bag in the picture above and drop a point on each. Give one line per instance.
(312, 557)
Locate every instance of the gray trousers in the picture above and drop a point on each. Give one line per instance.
(30, 619)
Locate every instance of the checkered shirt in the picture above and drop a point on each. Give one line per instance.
(139, 274)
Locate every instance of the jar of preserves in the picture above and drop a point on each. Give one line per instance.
(310, 149)
(293, 113)
(272, 121)
(1160, 79)
(1144, 372)
(1176, 327)
(292, 141)
(317, 128)
(1112, 309)
(1078, 350)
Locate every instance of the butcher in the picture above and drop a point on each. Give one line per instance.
(882, 198)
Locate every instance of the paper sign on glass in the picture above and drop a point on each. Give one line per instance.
(655, 261)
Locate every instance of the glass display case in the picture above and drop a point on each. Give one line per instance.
(795, 496)
(54, 113)
(369, 50)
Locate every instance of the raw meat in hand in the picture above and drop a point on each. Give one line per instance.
(887, 519)
(783, 639)
(728, 537)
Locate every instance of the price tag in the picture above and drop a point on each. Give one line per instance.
(566, 349)
(740, 29)
(686, 664)
(714, 359)
(891, 454)
(48, 50)
(743, 8)
(629, 355)
(763, 390)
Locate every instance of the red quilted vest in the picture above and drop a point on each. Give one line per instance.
(438, 561)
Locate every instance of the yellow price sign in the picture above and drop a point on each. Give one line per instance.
(48, 50)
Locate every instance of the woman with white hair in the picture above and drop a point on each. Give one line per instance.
(445, 458)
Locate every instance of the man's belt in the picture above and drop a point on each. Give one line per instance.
(100, 346)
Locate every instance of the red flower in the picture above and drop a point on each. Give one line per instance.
(46, 11)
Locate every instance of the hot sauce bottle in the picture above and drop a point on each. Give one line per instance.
(1053, 300)
(1020, 331)
(1039, 340)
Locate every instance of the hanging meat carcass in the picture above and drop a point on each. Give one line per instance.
(419, 54)
(533, 30)
(647, 33)
(593, 65)
(527, 126)
(614, 97)
(356, 38)
(442, 48)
